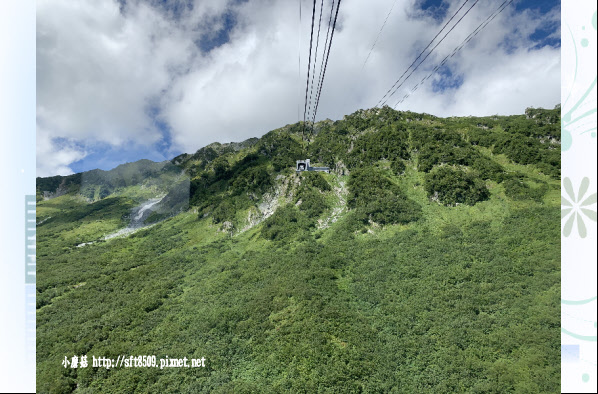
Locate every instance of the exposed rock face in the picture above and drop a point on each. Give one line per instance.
(227, 227)
(270, 201)
(60, 191)
(340, 168)
(341, 193)
(254, 217)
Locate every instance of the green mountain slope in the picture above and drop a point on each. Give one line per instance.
(428, 260)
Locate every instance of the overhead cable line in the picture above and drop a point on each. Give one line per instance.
(309, 64)
(315, 57)
(481, 27)
(378, 36)
(430, 52)
(299, 73)
(386, 96)
(327, 55)
(324, 56)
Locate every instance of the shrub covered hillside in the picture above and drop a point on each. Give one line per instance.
(427, 261)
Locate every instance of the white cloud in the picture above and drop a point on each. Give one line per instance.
(98, 71)
(54, 158)
(101, 69)
(482, 63)
(246, 88)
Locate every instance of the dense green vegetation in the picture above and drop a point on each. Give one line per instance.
(375, 198)
(310, 197)
(427, 261)
(455, 186)
(139, 180)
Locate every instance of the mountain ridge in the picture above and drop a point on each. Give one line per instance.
(213, 150)
(428, 260)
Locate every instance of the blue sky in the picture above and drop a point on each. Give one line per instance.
(439, 8)
(167, 77)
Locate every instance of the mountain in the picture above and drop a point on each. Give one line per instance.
(428, 260)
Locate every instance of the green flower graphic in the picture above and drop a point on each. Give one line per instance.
(575, 207)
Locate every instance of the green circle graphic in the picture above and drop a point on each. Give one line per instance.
(566, 140)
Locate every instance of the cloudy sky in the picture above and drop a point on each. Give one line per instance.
(118, 81)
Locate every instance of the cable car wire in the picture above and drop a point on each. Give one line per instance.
(299, 71)
(378, 36)
(327, 55)
(315, 58)
(386, 95)
(430, 52)
(323, 57)
(467, 39)
(309, 64)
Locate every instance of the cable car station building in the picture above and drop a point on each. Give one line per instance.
(304, 165)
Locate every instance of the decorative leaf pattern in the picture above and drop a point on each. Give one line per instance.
(573, 211)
